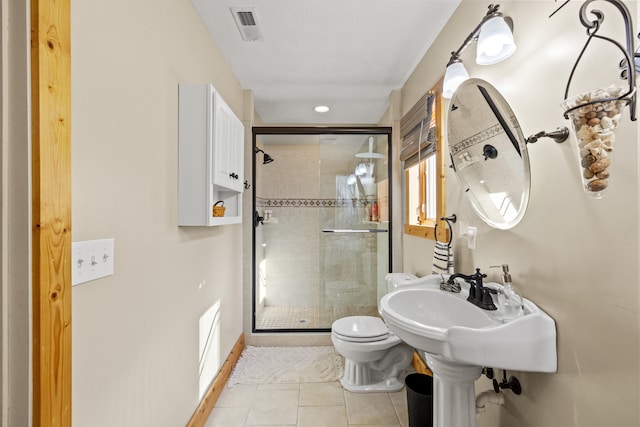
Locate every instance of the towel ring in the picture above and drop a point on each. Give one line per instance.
(448, 219)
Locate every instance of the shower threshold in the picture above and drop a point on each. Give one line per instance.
(310, 317)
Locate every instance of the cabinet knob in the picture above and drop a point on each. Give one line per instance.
(233, 175)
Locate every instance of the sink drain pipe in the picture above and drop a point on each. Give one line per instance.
(488, 396)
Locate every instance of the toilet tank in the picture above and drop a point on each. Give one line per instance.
(397, 280)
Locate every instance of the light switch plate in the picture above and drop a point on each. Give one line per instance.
(92, 259)
(468, 232)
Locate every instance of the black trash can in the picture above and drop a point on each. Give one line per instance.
(419, 400)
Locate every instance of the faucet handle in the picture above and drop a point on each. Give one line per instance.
(478, 277)
(478, 272)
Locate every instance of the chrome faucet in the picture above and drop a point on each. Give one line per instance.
(478, 294)
(449, 285)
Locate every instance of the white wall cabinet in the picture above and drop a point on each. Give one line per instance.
(210, 157)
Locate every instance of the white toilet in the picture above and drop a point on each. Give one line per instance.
(375, 358)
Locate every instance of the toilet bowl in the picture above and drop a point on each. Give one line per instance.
(375, 359)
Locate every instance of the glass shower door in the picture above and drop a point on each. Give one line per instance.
(321, 237)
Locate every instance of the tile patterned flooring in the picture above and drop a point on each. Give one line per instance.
(307, 405)
(279, 317)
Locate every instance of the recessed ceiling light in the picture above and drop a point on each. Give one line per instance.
(321, 109)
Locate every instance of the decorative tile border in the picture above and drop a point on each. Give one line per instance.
(310, 203)
(477, 138)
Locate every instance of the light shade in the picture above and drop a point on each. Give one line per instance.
(453, 77)
(495, 42)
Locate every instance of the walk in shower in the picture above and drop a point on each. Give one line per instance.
(321, 239)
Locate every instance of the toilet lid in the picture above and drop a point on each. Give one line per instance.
(361, 328)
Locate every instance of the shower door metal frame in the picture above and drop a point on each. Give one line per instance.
(309, 130)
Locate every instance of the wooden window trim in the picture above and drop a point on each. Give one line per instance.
(429, 228)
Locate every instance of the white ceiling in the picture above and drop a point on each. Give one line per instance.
(348, 54)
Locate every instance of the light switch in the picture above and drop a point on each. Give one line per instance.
(92, 259)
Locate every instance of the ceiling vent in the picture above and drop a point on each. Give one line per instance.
(247, 23)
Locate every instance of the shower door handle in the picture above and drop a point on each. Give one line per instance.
(368, 230)
(257, 219)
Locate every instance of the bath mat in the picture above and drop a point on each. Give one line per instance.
(280, 365)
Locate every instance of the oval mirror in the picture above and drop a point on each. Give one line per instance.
(489, 153)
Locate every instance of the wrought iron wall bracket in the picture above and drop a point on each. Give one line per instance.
(627, 64)
(559, 135)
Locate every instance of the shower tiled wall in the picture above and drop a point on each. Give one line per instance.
(304, 266)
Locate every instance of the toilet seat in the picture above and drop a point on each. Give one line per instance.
(363, 339)
(360, 329)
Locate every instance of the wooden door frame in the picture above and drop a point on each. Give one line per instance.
(51, 211)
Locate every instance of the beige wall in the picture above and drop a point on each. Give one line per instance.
(15, 216)
(576, 258)
(135, 334)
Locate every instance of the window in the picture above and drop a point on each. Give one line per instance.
(423, 160)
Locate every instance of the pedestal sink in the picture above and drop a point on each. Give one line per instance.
(459, 339)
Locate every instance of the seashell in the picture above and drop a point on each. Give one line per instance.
(582, 143)
(613, 91)
(591, 114)
(587, 174)
(603, 175)
(585, 132)
(606, 122)
(600, 165)
(588, 160)
(597, 184)
(593, 122)
(582, 99)
(599, 153)
(596, 143)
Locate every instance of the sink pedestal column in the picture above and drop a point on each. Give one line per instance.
(454, 396)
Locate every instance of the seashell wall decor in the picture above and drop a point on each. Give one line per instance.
(594, 117)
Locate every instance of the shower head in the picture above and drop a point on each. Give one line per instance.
(265, 157)
(370, 154)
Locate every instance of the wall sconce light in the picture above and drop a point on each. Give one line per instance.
(495, 42)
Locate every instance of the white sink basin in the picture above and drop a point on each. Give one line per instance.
(445, 324)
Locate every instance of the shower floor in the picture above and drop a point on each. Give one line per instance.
(277, 317)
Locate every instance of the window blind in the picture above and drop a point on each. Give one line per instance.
(418, 131)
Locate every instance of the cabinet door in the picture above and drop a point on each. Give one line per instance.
(228, 151)
(237, 153)
(222, 174)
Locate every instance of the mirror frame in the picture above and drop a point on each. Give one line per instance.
(508, 122)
